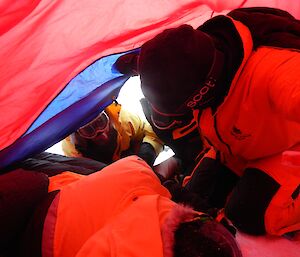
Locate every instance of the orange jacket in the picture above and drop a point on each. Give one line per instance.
(260, 116)
(119, 211)
(258, 121)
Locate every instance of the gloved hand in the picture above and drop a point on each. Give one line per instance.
(181, 195)
(147, 153)
(203, 179)
(169, 168)
(211, 181)
(127, 64)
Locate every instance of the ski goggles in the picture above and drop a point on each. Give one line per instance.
(167, 121)
(95, 127)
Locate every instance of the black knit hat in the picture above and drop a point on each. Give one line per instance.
(174, 66)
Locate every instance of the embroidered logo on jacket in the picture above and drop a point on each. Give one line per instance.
(238, 134)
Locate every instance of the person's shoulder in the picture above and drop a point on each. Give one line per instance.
(217, 22)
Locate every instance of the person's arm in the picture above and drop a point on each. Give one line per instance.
(211, 180)
(284, 88)
(269, 26)
(147, 153)
(141, 130)
(169, 168)
(151, 138)
(151, 145)
(127, 64)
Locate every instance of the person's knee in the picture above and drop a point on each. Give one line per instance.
(249, 200)
(282, 215)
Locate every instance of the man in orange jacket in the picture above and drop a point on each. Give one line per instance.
(123, 211)
(237, 76)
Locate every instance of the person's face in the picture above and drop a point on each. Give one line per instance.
(97, 130)
(105, 137)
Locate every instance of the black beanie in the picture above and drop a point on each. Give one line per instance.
(173, 65)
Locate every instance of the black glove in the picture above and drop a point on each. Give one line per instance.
(181, 195)
(147, 153)
(203, 179)
(212, 181)
(127, 64)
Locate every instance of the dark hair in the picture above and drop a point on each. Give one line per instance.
(204, 239)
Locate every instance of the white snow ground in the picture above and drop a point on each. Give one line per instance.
(268, 246)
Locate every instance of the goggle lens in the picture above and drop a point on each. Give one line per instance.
(96, 126)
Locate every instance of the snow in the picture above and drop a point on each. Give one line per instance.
(268, 246)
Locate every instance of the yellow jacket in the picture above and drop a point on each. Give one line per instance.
(131, 129)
